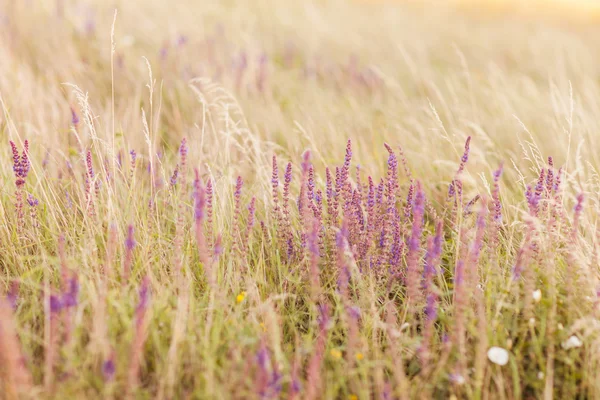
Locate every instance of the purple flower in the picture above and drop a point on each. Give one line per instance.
(238, 189)
(74, 117)
(55, 304)
(290, 248)
(173, 180)
(218, 249)
(323, 316)
(32, 201)
(465, 156)
(313, 239)
(108, 369)
(353, 312)
(550, 175)
(460, 273)
(70, 297)
(21, 163)
(130, 242)
(200, 201)
(144, 295)
(181, 40)
(183, 151)
(262, 357)
(579, 205)
(418, 211)
(13, 294)
(275, 175)
(288, 174)
(296, 386)
(431, 307)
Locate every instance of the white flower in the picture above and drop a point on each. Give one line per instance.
(537, 295)
(457, 379)
(571, 343)
(498, 355)
(540, 375)
(532, 322)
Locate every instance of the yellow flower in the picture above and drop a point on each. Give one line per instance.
(353, 397)
(240, 297)
(335, 353)
(359, 356)
(262, 325)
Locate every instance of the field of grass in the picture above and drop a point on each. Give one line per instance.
(297, 200)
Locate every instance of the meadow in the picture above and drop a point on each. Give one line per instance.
(297, 200)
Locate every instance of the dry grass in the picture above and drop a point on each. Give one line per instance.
(242, 82)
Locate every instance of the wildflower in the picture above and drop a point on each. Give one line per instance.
(209, 211)
(89, 179)
(74, 117)
(32, 201)
(70, 296)
(457, 379)
(173, 180)
(13, 295)
(240, 297)
(108, 369)
(21, 167)
(572, 342)
(335, 353)
(236, 213)
(496, 196)
(129, 246)
(353, 397)
(537, 296)
(540, 375)
(55, 304)
(133, 156)
(218, 249)
(359, 356)
(498, 355)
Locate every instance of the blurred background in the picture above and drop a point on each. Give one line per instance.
(522, 78)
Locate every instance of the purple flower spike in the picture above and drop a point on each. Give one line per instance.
(431, 308)
(173, 179)
(465, 156)
(13, 294)
(130, 242)
(55, 304)
(579, 205)
(70, 298)
(218, 249)
(354, 312)
(108, 369)
(200, 202)
(144, 295)
(74, 117)
(32, 201)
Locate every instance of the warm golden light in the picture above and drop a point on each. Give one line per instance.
(587, 9)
